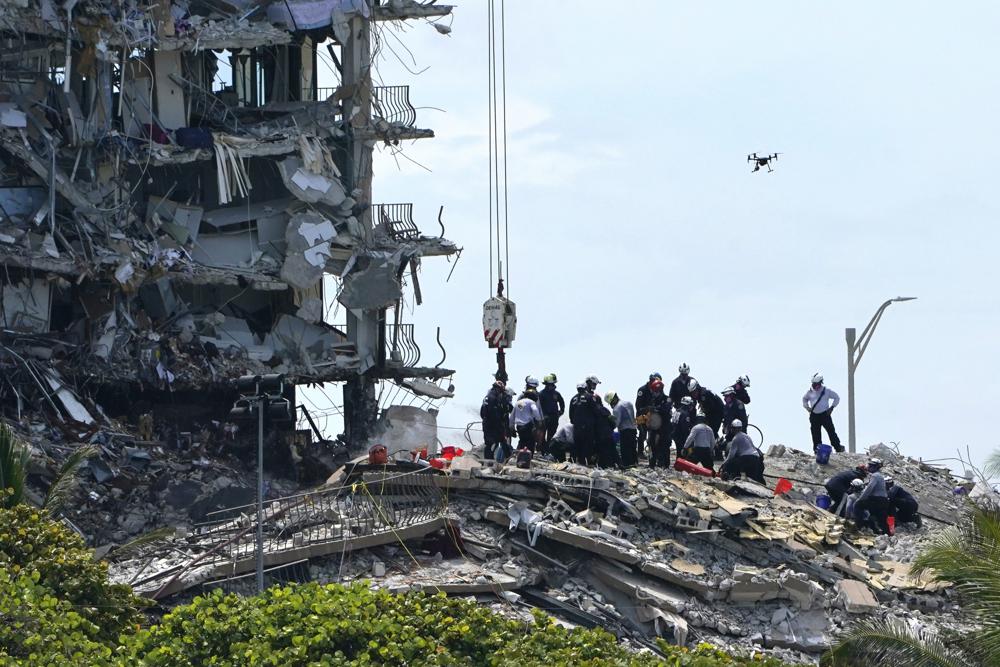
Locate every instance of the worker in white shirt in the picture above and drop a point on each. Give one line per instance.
(525, 419)
(819, 402)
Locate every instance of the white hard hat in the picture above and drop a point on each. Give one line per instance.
(857, 482)
(889, 480)
(874, 464)
(582, 385)
(593, 379)
(728, 391)
(744, 380)
(737, 423)
(684, 369)
(692, 385)
(530, 381)
(687, 400)
(817, 378)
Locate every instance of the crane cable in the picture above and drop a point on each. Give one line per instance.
(497, 145)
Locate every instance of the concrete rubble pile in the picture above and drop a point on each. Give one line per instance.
(644, 553)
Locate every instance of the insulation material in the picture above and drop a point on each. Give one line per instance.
(310, 187)
(308, 238)
(74, 409)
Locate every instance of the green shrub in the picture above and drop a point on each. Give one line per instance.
(331, 625)
(56, 559)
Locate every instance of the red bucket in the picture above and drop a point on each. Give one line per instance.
(783, 486)
(448, 452)
(892, 525)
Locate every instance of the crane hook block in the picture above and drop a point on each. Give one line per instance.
(499, 322)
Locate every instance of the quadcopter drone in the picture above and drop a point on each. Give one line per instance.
(764, 161)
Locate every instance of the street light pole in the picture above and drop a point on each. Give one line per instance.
(856, 346)
(261, 406)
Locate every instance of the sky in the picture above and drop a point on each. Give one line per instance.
(639, 239)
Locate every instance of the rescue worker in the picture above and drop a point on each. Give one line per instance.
(710, 406)
(624, 414)
(902, 505)
(682, 419)
(658, 426)
(495, 413)
(561, 443)
(743, 456)
(845, 508)
(874, 499)
(740, 387)
(552, 404)
(819, 402)
(700, 446)
(838, 485)
(733, 408)
(604, 435)
(643, 399)
(680, 387)
(592, 383)
(526, 417)
(583, 416)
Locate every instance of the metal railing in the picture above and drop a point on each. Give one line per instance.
(392, 103)
(398, 220)
(401, 345)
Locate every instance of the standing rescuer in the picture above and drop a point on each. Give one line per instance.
(526, 416)
(733, 410)
(658, 426)
(494, 412)
(819, 402)
(624, 414)
(583, 416)
(740, 387)
(552, 404)
(643, 401)
(681, 386)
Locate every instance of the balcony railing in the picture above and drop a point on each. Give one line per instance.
(398, 220)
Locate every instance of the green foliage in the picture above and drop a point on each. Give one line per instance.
(66, 481)
(38, 628)
(14, 456)
(312, 624)
(56, 559)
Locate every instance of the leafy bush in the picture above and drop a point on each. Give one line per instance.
(336, 625)
(35, 548)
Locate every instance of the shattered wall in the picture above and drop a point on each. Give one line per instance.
(173, 193)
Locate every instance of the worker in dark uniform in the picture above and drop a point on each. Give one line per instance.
(643, 399)
(710, 406)
(740, 387)
(680, 387)
(743, 457)
(874, 500)
(495, 413)
(604, 439)
(732, 410)
(583, 416)
(553, 406)
(658, 426)
(682, 419)
(839, 484)
(902, 505)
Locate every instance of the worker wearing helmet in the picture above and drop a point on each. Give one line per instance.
(743, 456)
(700, 446)
(902, 505)
(583, 414)
(679, 388)
(874, 500)
(819, 402)
(711, 409)
(495, 412)
(740, 387)
(604, 436)
(838, 485)
(658, 426)
(553, 406)
(845, 507)
(592, 383)
(643, 399)
(526, 417)
(682, 418)
(624, 414)
(732, 410)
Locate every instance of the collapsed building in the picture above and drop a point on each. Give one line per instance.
(182, 202)
(644, 553)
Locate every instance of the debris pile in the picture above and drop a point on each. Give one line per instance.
(645, 553)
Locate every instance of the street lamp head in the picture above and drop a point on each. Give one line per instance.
(905, 298)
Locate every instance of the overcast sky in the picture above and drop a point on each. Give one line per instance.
(640, 239)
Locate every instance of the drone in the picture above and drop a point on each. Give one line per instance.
(764, 161)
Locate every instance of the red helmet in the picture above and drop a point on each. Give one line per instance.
(656, 385)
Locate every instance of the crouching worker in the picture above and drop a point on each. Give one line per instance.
(838, 485)
(743, 457)
(700, 446)
(845, 508)
(873, 499)
(902, 505)
(561, 443)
